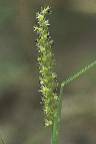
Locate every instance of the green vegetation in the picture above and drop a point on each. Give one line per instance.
(52, 101)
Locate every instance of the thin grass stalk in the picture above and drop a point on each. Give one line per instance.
(78, 74)
(57, 120)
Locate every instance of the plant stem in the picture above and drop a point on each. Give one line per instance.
(57, 120)
(78, 74)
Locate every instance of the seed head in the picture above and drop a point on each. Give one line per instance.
(47, 76)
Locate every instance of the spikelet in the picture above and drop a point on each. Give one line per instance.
(47, 76)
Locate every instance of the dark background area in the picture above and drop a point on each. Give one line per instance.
(73, 29)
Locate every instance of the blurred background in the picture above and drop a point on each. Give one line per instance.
(73, 29)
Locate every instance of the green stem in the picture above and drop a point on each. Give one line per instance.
(55, 132)
(78, 74)
(57, 120)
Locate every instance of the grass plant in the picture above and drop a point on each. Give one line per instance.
(51, 100)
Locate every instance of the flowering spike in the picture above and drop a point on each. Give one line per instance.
(46, 61)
